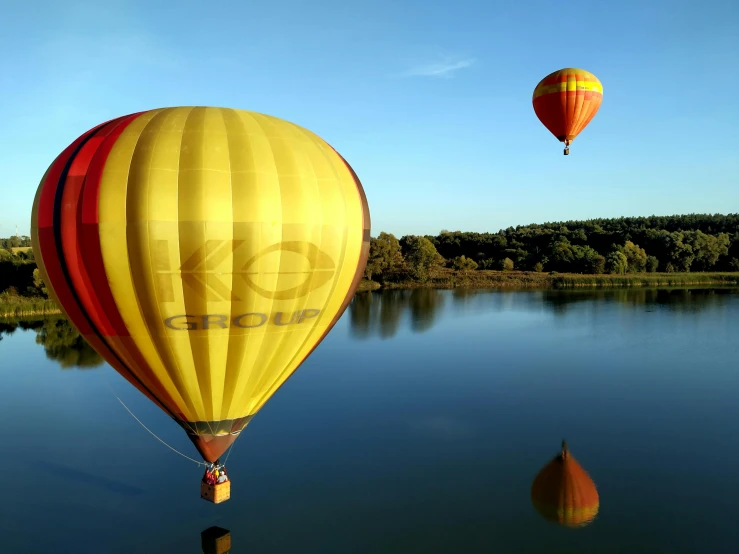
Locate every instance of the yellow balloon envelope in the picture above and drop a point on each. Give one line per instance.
(204, 253)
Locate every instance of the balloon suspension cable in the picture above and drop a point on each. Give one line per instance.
(150, 431)
(230, 448)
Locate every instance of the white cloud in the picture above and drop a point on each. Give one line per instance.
(445, 68)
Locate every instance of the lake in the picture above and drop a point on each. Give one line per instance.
(417, 426)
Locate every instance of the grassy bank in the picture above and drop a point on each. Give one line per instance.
(448, 278)
(23, 306)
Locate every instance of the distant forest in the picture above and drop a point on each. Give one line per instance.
(678, 243)
(18, 272)
(671, 244)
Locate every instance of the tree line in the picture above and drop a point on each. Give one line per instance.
(15, 242)
(19, 275)
(679, 243)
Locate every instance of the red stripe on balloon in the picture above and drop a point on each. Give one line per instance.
(551, 111)
(75, 252)
(102, 306)
(50, 257)
(51, 238)
(105, 310)
(53, 234)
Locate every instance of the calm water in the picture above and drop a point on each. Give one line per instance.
(417, 426)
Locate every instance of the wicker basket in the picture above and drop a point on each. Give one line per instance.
(217, 493)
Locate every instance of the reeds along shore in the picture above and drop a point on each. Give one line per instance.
(12, 306)
(530, 279)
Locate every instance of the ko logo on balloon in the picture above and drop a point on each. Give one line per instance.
(203, 275)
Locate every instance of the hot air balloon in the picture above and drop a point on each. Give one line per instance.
(204, 253)
(563, 492)
(566, 101)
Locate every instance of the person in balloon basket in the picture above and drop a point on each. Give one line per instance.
(215, 474)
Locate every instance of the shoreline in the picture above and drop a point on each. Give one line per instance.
(20, 307)
(14, 307)
(4, 314)
(489, 279)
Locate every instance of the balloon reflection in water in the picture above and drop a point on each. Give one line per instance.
(563, 492)
(215, 540)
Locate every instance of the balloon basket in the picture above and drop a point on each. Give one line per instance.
(215, 540)
(220, 492)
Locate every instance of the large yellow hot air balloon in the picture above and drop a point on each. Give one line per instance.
(565, 101)
(204, 253)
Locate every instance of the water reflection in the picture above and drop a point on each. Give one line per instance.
(215, 540)
(379, 314)
(430, 437)
(676, 299)
(61, 341)
(84, 476)
(564, 493)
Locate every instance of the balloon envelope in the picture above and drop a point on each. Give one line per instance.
(204, 253)
(566, 100)
(563, 492)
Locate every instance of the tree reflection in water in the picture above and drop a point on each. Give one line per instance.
(61, 341)
(381, 313)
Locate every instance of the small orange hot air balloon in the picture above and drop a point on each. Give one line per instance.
(563, 492)
(566, 101)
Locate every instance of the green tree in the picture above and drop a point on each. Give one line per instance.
(384, 256)
(652, 264)
(636, 257)
(506, 264)
(538, 267)
(597, 264)
(585, 260)
(707, 249)
(421, 256)
(680, 253)
(617, 263)
(562, 254)
(463, 263)
(39, 284)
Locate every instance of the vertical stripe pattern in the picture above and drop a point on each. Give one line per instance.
(565, 101)
(204, 253)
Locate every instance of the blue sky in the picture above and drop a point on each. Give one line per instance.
(429, 101)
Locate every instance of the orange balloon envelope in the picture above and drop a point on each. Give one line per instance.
(563, 492)
(566, 101)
